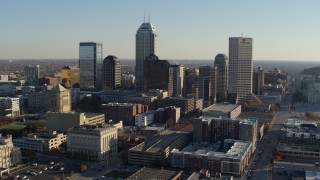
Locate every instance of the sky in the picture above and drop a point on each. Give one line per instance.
(187, 29)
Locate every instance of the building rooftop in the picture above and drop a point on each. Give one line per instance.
(236, 151)
(58, 88)
(312, 175)
(160, 141)
(150, 173)
(226, 108)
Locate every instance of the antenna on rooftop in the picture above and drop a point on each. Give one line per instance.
(144, 16)
(241, 34)
(149, 16)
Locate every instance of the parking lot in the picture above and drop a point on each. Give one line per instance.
(44, 170)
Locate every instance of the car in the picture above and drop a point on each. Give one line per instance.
(24, 177)
(39, 172)
(51, 167)
(17, 176)
(52, 163)
(62, 168)
(45, 168)
(34, 164)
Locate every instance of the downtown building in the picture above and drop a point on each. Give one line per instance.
(146, 44)
(90, 64)
(177, 80)
(70, 77)
(221, 62)
(9, 154)
(156, 74)
(111, 73)
(9, 106)
(32, 74)
(240, 68)
(92, 142)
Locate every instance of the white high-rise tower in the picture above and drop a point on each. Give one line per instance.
(240, 68)
(146, 44)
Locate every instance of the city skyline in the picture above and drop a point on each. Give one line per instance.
(285, 30)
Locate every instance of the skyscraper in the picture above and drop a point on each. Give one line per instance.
(240, 68)
(32, 74)
(221, 62)
(156, 74)
(177, 81)
(146, 44)
(90, 63)
(111, 73)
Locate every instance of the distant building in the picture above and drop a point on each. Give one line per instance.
(124, 112)
(240, 68)
(144, 119)
(156, 73)
(58, 99)
(61, 122)
(93, 143)
(258, 81)
(42, 142)
(32, 74)
(177, 80)
(9, 107)
(9, 155)
(128, 81)
(90, 64)
(187, 105)
(70, 77)
(46, 80)
(111, 73)
(222, 63)
(4, 78)
(146, 44)
(205, 85)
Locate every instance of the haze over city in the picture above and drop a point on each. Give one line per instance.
(282, 30)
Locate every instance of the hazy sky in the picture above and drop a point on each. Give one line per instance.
(187, 29)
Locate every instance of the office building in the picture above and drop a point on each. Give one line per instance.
(156, 73)
(258, 81)
(146, 44)
(32, 74)
(9, 106)
(93, 143)
(41, 142)
(187, 105)
(9, 154)
(144, 119)
(111, 73)
(61, 122)
(221, 62)
(177, 80)
(70, 77)
(240, 68)
(205, 85)
(58, 99)
(124, 112)
(90, 64)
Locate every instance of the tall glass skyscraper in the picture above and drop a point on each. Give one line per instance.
(90, 64)
(146, 44)
(240, 68)
(221, 62)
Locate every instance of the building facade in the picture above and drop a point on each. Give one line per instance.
(124, 112)
(221, 62)
(91, 142)
(9, 106)
(42, 142)
(177, 80)
(146, 44)
(156, 73)
(90, 64)
(240, 68)
(58, 99)
(9, 155)
(63, 121)
(111, 73)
